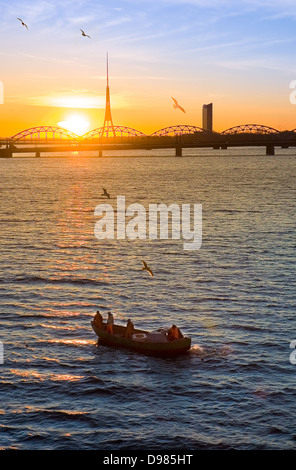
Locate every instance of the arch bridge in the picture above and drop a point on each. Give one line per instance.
(108, 131)
(55, 138)
(250, 129)
(45, 133)
(178, 130)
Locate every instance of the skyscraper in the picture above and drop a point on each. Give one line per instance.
(207, 117)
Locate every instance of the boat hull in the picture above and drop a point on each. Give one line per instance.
(118, 340)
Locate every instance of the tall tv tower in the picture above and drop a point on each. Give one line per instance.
(108, 117)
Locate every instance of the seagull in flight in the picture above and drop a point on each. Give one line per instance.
(105, 193)
(24, 24)
(146, 268)
(176, 105)
(83, 34)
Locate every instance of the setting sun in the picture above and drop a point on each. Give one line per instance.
(75, 123)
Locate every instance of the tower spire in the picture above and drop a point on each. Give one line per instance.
(108, 116)
(107, 70)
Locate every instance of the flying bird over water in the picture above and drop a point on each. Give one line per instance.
(146, 268)
(24, 24)
(105, 193)
(83, 34)
(176, 105)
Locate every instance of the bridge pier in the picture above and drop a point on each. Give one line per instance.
(178, 140)
(6, 153)
(178, 151)
(270, 149)
(37, 154)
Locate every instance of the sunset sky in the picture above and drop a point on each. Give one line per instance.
(238, 55)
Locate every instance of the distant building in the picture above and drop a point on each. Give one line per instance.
(207, 117)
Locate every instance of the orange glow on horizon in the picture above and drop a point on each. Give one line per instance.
(15, 118)
(69, 101)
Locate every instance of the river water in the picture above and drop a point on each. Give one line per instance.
(235, 297)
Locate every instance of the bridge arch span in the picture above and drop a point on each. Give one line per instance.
(250, 129)
(177, 130)
(120, 131)
(45, 133)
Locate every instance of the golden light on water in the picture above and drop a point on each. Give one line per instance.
(33, 374)
(57, 327)
(75, 342)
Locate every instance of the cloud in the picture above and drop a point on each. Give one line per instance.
(64, 98)
(268, 63)
(243, 44)
(130, 77)
(116, 21)
(281, 9)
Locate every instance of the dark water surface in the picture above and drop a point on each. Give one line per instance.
(235, 297)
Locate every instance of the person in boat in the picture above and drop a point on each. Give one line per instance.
(110, 323)
(174, 333)
(98, 320)
(129, 329)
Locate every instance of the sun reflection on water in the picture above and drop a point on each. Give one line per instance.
(33, 374)
(76, 342)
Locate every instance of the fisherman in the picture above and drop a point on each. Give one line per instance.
(110, 323)
(129, 329)
(174, 333)
(98, 320)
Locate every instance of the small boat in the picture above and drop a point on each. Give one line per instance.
(154, 342)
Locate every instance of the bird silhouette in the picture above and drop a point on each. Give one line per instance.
(176, 105)
(83, 34)
(24, 24)
(105, 193)
(147, 268)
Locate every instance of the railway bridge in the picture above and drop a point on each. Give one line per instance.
(44, 139)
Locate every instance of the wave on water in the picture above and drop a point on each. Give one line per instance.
(209, 352)
(251, 328)
(198, 350)
(35, 375)
(51, 280)
(61, 389)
